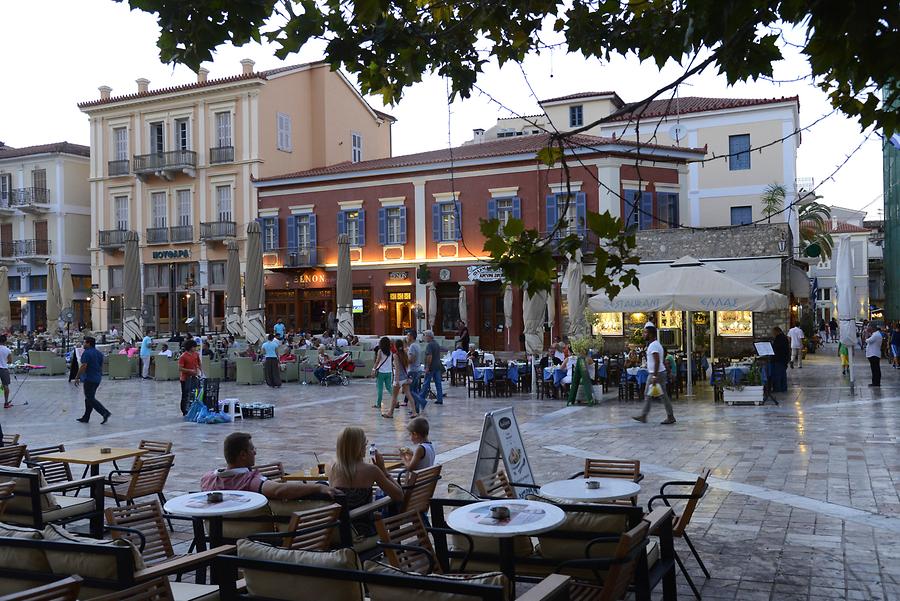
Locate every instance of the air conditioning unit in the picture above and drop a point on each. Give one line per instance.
(670, 338)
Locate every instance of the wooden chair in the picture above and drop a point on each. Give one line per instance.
(6, 493)
(314, 530)
(9, 440)
(679, 528)
(153, 448)
(158, 589)
(718, 382)
(148, 477)
(33, 504)
(501, 384)
(496, 486)
(628, 469)
(419, 489)
(143, 525)
(458, 372)
(62, 590)
(473, 387)
(404, 539)
(272, 471)
(54, 471)
(12, 456)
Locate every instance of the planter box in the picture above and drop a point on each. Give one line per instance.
(748, 395)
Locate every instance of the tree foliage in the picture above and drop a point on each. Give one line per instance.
(773, 200)
(814, 218)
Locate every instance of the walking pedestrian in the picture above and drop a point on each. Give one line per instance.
(91, 373)
(895, 345)
(401, 378)
(382, 369)
(4, 370)
(844, 352)
(656, 375)
(835, 333)
(796, 336)
(413, 352)
(188, 370)
(433, 369)
(781, 347)
(146, 353)
(873, 354)
(271, 367)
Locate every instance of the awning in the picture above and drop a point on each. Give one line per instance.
(799, 282)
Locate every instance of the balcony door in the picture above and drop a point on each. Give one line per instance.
(157, 138)
(41, 241)
(6, 239)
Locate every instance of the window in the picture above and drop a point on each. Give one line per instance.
(184, 207)
(649, 210)
(5, 188)
(572, 211)
(353, 223)
(157, 138)
(39, 179)
(120, 143)
(37, 283)
(15, 283)
(269, 232)
(223, 129)
(159, 209)
(183, 133)
(81, 282)
(301, 236)
(356, 147)
(394, 231)
(666, 210)
(156, 276)
(116, 277)
(504, 210)
(283, 123)
(739, 152)
(449, 224)
(303, 231)
(223, 202)
(576, 116)
(741, 215)
(217, 273)
(121, 208)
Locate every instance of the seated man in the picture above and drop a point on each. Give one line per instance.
(165, 351)
(240, 456)
(458, 356)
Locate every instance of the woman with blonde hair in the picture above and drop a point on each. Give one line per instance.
(353, 475)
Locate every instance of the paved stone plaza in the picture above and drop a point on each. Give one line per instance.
(803, 504)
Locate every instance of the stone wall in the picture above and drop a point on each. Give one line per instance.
(760, 240)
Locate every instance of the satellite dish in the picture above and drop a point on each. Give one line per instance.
(67, 315)
(678, 132)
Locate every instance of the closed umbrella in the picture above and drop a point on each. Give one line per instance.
(551, 309)
(432, 305)
(344, 288)
(5, 312)
(254, 325)
(131, 326)
(67, 289)
(507, 311)
(533, 307)
(576, 295)
(233, 322)
(463, 309)
(52, 296)
(846, 300)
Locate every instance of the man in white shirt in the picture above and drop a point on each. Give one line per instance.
(458, 354)
(873, 354)
(114, 332)
(4, 370)
(341, 341)
(656, 367)
(166, 352)
(796, 336)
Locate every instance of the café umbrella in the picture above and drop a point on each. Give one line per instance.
(846, 301)
(507, 310)
(254, 324)
(344, 288)
(5, 311)
(432, 305)
(131, 325)
(52, 296)
(463, 309)
(576, 295)
(233, 322)
(533, 307)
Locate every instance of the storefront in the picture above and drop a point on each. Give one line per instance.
(171, 297)
(305, 299)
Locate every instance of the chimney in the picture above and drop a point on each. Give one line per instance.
(105, 92)
(834, 221)
(247, 64)
(202, 73)
(143, 85)
(478, 135)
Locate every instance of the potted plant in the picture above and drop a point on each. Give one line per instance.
(749, 391)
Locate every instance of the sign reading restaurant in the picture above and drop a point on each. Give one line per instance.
(172, 254)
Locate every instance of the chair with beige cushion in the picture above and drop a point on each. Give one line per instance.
(54, 471)
(61, 590)
(6, 492)
(159, 589)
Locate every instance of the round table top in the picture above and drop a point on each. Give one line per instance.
(611, 489)
(526, 518)
(234, 501)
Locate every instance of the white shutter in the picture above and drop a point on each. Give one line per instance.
(184, 207)
(158, 209)
(223, 129)
(284, 131)
(223, 202)
(120, 141)
(121, 203)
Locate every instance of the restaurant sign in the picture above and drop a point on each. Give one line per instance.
(313, 278)
(484, 273)
(172, 254)
(398, 275)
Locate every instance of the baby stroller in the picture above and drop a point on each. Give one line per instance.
(332, 372)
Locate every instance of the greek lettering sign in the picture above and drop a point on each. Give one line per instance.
(171, 254)
(398, 275)
(484, 273)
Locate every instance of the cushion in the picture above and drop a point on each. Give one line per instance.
(86, 564)
(187, 591)
(21, 502)
(300, 587)
(597, 524)
(20, 558)
(378, 592)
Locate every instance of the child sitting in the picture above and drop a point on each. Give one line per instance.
(422, 455)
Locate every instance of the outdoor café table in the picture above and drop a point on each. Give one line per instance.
(556, 373)
(526, 518)
(91, 457)
(611, 489)
(485, 374)
(195, 506)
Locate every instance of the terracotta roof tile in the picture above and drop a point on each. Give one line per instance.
(581, 95)
(843, 227)
(698, 104)
(491, 148)
(58, 147)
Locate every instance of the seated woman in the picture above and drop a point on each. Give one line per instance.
(352, 474)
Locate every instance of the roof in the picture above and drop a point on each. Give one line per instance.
(58, 147)
(699, 104)
(578, 95)
(197, 85)
(492, 148)
(842, 227)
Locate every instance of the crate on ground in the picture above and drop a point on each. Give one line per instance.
(257, 411)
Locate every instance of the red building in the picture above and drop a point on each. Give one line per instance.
(426, 209)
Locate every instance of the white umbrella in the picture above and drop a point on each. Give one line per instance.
(845, 298)
(254, 320)
(551, 309)
(233, 321)
(533, 306)
(576, 295)
(5, 311)
(432, 305)
(463, 309)
(507, 311)
(344, 288)
(52, 297)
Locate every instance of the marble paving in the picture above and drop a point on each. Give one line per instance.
(803, 502)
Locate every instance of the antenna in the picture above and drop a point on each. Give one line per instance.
(678, 132)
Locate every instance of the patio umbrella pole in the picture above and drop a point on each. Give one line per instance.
(690, 361)
(712, 339)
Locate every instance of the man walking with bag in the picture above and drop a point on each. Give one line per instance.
(91, 373)
(656, 381)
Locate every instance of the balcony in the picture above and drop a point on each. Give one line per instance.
(221, 154)
(289, 258)
(166, 164)
(111, 239)
(30, 200)
(217, 230)
(7, 252)
(32, 250)
(118, 167)
(157, 235)
(181, 233)
(589, 240)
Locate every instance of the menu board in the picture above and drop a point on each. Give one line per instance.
(734, 323)
(501, 440)
(608, 324)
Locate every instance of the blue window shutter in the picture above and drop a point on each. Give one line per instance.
(436, 222)
(630, 214)
(292, 233)
(362, 227)
(581, 211)
(552, 212)
(342, 222)
(645, 215)
(402, 225)
(276, 224)
(517, 208)
(458, 207)
(382, 226)
(492, 208)
(312, 239)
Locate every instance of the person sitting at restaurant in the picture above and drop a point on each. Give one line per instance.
(633, 359)
(126, 350)
(558, 354)
(205, 351)
(473, 354)
(354, 476)
(323, 358)
(326, 338)
(341, 341)
(177, 338)
(113, 332)
(353, 340)
(422, 455)
(165, 351)
(458, 356)
(240, 457)
(288, 356)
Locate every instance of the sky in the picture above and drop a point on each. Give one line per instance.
(60, 52)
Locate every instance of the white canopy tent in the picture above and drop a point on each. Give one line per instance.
(689, 285)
